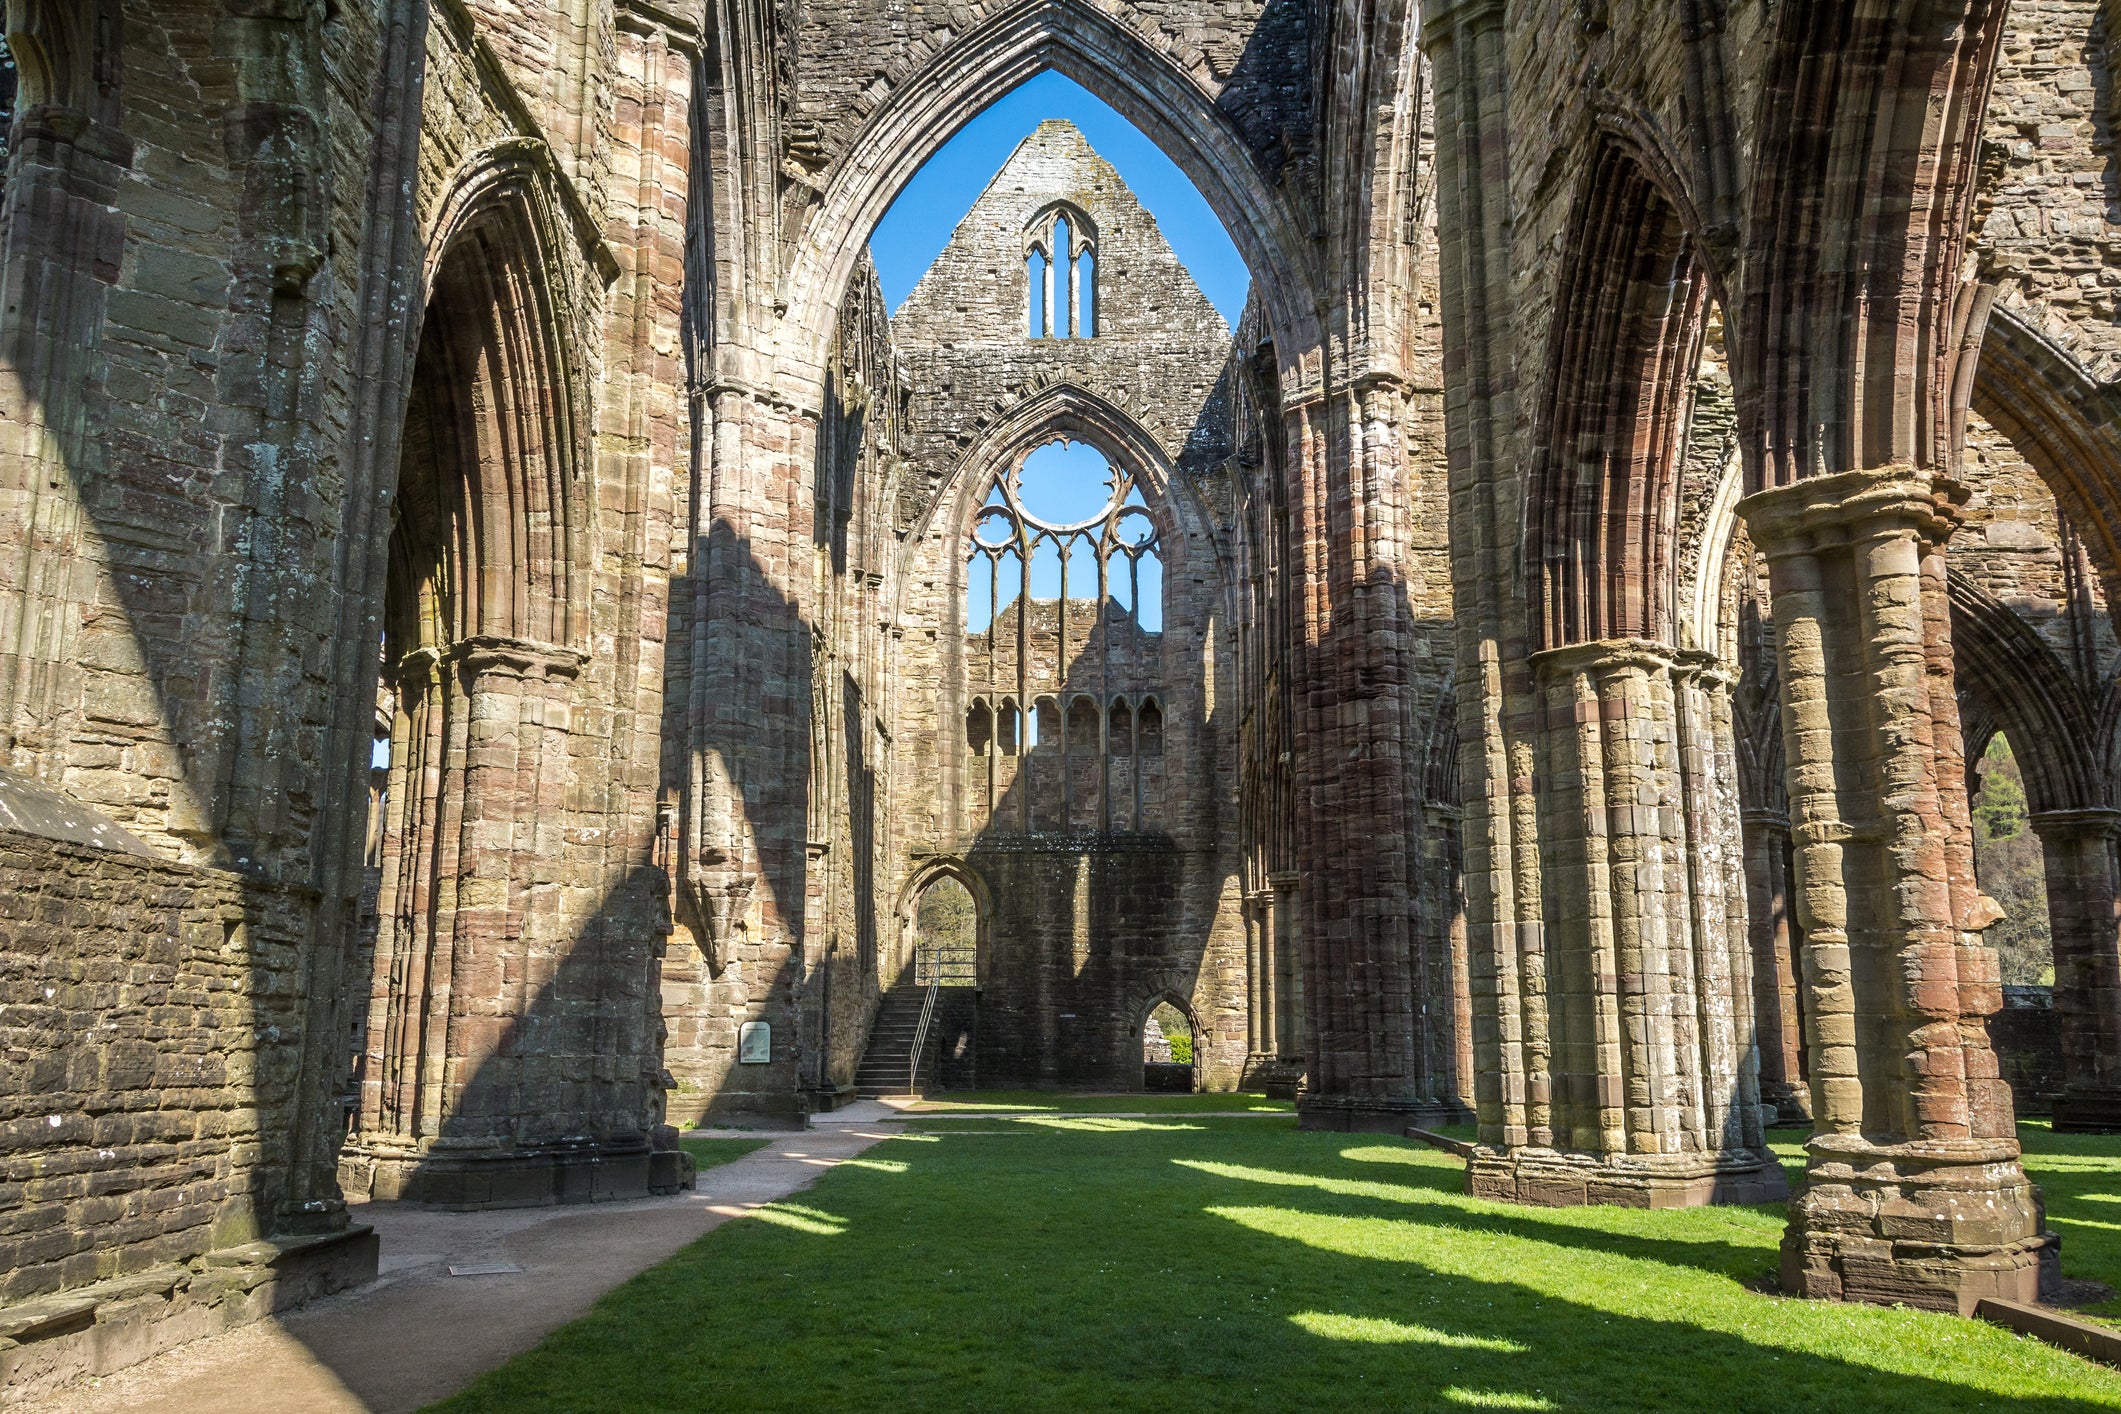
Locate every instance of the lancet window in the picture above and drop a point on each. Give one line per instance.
(1060, 263)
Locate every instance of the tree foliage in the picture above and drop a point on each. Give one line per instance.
(946, 917)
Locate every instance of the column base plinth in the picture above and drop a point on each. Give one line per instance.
(1552, 1178)
(1276, 1077)
(1352, 1114)
(1937, 1226)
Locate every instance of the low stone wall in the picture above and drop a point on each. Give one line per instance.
(2028, 1046)
(150, 1047)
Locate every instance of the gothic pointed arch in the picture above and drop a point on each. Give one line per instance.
(485, 635)
(2063, 421)
(2015, 684)
(1863, 179)
(1602, 503)
(1118, 64)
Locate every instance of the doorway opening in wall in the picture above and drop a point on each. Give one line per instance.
(1169, 1061)
(2011, 869)
(946, 961)
(2007, 861)
(946, 928)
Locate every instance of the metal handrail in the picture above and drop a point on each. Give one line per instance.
(920, 1037)
(952, 966)
(936, 966)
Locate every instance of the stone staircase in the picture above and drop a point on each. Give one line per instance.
(890, 1052)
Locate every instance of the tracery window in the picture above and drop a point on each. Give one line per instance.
(1063, 623)
(1060, 263)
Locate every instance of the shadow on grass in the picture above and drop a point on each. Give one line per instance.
(1240, 1267)
(1734, 1252)
(2080, 1178)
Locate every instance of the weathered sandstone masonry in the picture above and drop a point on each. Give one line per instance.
(1665, 443)
(1108, 847)
(1734, 155)
(1916, 1189)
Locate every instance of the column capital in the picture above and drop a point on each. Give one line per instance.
(1603, 655)
(2091, 820)
(420, 666)
(1852, 506)
(518, 657)
(1282, 882)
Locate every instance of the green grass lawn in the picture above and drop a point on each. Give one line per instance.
(1066, 1102)
(1045, 1262)
(710, 1153)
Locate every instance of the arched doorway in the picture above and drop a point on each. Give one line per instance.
(925, 1030)
(1170, 1058)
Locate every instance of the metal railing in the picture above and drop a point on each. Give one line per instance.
(951, 967)
(936, 967)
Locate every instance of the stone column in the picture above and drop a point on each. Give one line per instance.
(2079, 850)
(1445, 998)
(1777, 1022)
(1651, 1093)
(1270, 971)
(485, 985)
(1256, 978)
(1286, 930)
(1916, 1194)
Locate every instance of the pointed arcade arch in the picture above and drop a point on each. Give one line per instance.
(1115, 63)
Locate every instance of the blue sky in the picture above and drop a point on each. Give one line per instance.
(918, 225)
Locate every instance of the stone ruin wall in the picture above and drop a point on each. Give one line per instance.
(1088, 933)
(188, 473)
(150, 1060)
(819, 999)
(2047, 225)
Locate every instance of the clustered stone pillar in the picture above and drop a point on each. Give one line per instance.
(1285, 969)
(1651, 1099)
(2081, 905)
(61, 247)
(470, 1010)
(1916, 1193)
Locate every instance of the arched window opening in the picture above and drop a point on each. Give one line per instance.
(1168, 1050)
(1082, 724)
(1060, 253)
(1148, 576)
(1082, 569)
(1063, 260)
(2011, 870)
(1046, 568)
(1067, 536)
(1007, 585)
(979, 729)
(1149, 728)
(1007, 728)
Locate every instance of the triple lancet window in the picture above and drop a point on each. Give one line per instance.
(1060, 261)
